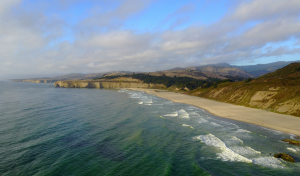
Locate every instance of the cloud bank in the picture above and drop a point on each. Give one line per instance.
(42, 38)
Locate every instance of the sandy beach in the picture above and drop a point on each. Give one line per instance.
(280, 122)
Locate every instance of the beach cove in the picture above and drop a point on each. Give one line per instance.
(275, 121)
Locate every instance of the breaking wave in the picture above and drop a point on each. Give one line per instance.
(268, 162)
(227, 154)
(181, 113)
(185, 125)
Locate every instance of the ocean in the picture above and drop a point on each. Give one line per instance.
(67, 131)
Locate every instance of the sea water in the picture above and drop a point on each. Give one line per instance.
(60, 131)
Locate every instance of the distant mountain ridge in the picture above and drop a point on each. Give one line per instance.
(247, 70)
(260, 69)
(220, 70)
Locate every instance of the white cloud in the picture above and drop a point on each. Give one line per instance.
(6, 5)
(265, 9)
(29, 39)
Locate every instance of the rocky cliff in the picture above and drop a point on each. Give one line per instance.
(35, 80)
(105, 83)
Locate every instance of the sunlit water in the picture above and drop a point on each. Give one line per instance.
(57, 131)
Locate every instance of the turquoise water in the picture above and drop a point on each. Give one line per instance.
(56, 131)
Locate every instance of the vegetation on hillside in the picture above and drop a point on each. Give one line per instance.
(178, 82)
(278, 91)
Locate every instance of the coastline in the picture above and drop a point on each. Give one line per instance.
(279, 122)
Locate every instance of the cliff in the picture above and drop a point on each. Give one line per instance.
(278, 91)
(35, 80)
(106, 83)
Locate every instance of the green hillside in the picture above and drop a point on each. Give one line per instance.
(278, 91)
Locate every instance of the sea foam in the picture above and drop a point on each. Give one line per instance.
(268, 162)
(243, 131)
(215, 124)
(245, 151)
(227, 154)
(185, 125)
(174, 114)
(183, 114)
(293, 150)
(201, 120)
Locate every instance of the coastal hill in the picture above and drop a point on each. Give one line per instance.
(262, 69)
(220, 71)
(204, 72)
(243, 71)
(223, 71)
(278, 91)
(72, 76)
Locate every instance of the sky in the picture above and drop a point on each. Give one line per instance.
(47, 38)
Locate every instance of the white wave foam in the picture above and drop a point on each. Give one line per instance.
(122, 90)
(141, 102)
(227, 154)
(174, 114)
(228, 123)
(262, 136)
(147, 104)
(292, 136)
(134, 95)
(208, 117)
(243, 131)
(148, 101)
(201, 120)
(193, 114)
(183, 114)
(274, 131)
(215, 124)
(268, 162)
(234, 140)
(245, 151)
(188, 126)
(293, 150)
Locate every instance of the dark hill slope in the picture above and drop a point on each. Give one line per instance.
(278, 91)
(262, 69)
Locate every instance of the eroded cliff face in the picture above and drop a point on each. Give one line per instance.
(35, 80)
(284, 100)
(104, 83)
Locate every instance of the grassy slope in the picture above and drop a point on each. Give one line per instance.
(278, 91)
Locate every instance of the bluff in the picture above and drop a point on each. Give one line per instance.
(35, 80)
(106, 83)
(278, 91)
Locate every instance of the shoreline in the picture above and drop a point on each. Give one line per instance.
(280, 122)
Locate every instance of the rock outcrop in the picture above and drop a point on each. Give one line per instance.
(291, 141)
(285, 157)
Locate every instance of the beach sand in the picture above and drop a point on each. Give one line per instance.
(280, 122)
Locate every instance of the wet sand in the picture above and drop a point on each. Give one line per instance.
(280, 122)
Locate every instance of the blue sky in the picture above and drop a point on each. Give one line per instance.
(46, 38)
